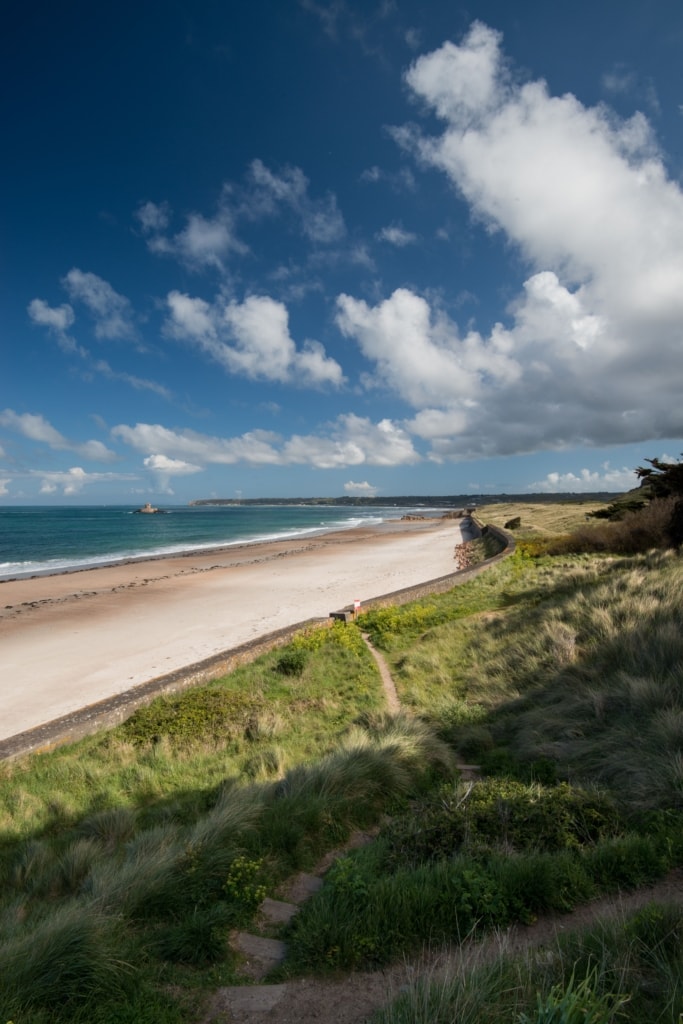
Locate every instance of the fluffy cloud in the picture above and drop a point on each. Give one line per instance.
(208, 242)
(589, 355)
(348, 441)
(171, 467)
(419, 353)
(262, 347)
(363, 489)
(587, 480)
(203, 242)
(35, 427)
(112, 312)
(353, 441)
(154, 218)
(397, 236)
(164, 468)
(72, 481)
(58, 320)
(4, 485)
(255, 448)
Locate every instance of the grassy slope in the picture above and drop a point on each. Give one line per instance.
(539, 517)
(143, 846)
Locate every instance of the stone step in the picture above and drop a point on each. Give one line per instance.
(242, 1002)
(302, 886)
(261, 955)
(277, 911)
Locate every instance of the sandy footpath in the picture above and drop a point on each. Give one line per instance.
(69, 640)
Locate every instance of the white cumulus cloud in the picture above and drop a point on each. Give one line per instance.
(111, 312)
(396, 235)
(586, 480)
(35, 427)
(172, 467)
(251, 339)
(165, 468)
(57, 320)
(73, 480)
(204, 242)
(360, 490)
(588, 353)
(349, 440)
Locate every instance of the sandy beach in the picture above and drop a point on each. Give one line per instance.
(69, 640)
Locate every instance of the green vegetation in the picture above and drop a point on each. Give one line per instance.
(126, 859)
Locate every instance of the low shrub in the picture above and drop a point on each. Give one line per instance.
(362, 918)
(207, 712)
(244, 888)
(292, 661)
(501, 813)
(342, 635)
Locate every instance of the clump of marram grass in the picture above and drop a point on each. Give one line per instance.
(585, 673)
(613, 713)
(70, 957)
(169, 886)
(488, 985)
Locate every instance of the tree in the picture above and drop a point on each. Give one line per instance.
(665, 480)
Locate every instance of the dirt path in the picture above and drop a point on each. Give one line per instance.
(388, 684)
(352, 999)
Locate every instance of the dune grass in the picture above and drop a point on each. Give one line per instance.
(627, 969)
(149, 897)
(127, 859)
(584, 668)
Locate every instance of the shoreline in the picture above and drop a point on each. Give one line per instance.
(69, 640)
(111, 561)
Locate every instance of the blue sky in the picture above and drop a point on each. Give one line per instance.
(324, 247)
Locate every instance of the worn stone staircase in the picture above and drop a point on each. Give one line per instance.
(261, 953)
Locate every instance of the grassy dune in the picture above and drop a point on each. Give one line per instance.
(540, 517)
(126, 860)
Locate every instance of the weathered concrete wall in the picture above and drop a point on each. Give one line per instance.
(110, 712)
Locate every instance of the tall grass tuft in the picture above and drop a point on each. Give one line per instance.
(70, 958)
(111, 827)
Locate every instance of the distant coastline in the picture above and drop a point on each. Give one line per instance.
(414, 500)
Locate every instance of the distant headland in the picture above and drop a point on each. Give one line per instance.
(414, 500)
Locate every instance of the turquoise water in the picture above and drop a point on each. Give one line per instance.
(41, 540)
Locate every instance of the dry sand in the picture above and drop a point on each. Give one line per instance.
(67, 641)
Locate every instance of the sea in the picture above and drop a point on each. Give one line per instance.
(44, 540)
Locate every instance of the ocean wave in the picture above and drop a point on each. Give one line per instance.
(55, 566)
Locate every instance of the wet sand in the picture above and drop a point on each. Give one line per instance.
(69, 640)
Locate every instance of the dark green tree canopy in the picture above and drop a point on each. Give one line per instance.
(663, 479)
